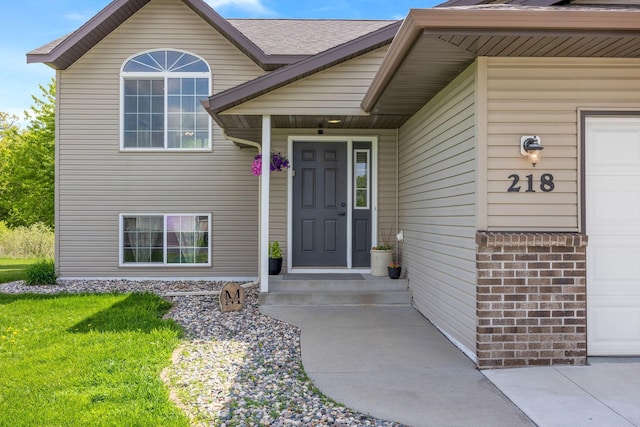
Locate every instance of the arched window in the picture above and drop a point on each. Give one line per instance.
(161, 107)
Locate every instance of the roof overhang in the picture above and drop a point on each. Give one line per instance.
(248, 126)
(433, 46)
(62, 53)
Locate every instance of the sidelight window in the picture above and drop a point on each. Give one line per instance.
(362, 179)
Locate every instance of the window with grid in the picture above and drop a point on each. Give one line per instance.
(361, 179)
(172, 239)
(161, 106)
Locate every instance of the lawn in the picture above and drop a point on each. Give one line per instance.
(80, 360)
(13, 269)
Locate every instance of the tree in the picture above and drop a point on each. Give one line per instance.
(8, 126)
(27, 166)
(9, 132)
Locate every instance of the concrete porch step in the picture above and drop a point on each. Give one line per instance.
(369, 290)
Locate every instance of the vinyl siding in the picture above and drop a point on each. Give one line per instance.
(542, 96)
(336, 91)
(96, 181)
(437, 209)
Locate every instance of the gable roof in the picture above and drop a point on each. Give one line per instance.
(252, 89)
(304, 36)
(542, 3)
(269, 43)
(63, 52)
(248, 127)
(433, 46)
(452, 3)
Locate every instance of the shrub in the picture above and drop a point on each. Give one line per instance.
(41, 273)
(274, 250)
(35, 241)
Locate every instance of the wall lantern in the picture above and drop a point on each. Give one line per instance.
(530, 146)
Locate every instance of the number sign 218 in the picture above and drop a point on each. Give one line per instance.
(546, 183)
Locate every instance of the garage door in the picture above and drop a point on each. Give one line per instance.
(613, 226)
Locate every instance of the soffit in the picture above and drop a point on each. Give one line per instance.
(250, 126)
(432, 48)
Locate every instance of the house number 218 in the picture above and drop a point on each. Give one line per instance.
(546, 183)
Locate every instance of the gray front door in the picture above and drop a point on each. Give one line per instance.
(319, 204)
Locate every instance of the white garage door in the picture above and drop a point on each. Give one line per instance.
(613, 226)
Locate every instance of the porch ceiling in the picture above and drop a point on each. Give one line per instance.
(435, 45)
(250, 126)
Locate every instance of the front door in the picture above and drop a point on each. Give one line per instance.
(613, 226)
(319, 204)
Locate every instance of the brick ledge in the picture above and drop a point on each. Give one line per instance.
(513, 239)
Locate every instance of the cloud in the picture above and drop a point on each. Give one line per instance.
(254, 7)
(77, 17)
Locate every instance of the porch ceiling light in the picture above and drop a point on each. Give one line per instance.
(334, 121)
(531, 147)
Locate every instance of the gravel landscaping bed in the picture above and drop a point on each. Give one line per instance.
(234, 369)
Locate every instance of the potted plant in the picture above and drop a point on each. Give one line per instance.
(275, 258)
(394, 270)
(381, 257)
(277, 163)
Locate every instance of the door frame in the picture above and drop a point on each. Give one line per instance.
(348, 140)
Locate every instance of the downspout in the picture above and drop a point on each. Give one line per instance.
(258, 146)
(242, 141)
(397, 180)
(244, 285)
(397, 245)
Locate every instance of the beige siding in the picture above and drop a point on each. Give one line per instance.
(335, 91)
(438, 208)
(542, 97)
(97, 182)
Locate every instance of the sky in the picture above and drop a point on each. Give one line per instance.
(28, 24)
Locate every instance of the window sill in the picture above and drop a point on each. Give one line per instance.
(152, 265)
(166, 150)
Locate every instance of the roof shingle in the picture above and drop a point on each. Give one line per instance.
(304, 36)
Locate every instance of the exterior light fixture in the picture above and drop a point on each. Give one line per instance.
(334, 121)
(530, 146)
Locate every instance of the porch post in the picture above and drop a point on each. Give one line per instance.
(264, 204)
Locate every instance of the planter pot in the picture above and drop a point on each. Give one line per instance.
(275, 265)
(394, 272)
(379, 262)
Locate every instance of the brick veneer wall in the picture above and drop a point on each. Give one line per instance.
(531, 299)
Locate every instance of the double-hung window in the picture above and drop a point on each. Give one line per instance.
(171, 239)
(161, 94)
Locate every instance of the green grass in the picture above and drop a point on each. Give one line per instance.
(14, 269)
(80, 360)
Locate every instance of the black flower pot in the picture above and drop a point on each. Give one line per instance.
(394, 272)
(275, 265)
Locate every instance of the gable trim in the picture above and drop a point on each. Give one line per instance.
(63, 52)
(245, 92)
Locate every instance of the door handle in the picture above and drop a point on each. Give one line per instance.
(342, 214)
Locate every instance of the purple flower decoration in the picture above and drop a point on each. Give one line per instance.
(278, 163)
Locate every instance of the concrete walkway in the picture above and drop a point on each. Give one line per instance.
(604, 394)
(391, 363)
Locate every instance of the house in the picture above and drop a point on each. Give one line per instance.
(432, 126)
